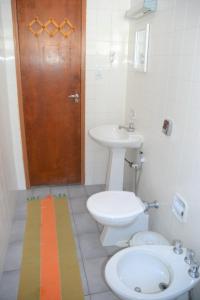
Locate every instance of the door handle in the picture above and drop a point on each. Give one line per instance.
(74, 97)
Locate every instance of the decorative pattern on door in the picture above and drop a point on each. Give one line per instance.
(51, 27)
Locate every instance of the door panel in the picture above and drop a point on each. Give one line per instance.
(50, 72)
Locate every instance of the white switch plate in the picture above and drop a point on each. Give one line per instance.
(180, 208)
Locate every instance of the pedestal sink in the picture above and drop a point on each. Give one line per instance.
(117, 140)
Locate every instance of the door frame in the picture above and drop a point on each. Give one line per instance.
(20, 96)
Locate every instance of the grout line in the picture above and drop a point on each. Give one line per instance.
(93, 294)
(81, 255)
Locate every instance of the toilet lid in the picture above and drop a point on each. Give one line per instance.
(115, 204)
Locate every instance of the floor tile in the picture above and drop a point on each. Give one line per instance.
(84, 279)
(93, 189)
(78, 205)
(91, 246)
(21, 197)
(92, 256)
(56, 190)
(95, 274)
(84, 223)
(104, 296)
(17, 231)
(28, 194)
(77, 191)
(9, 285)
(13, 256)
(78, 250)
(41, 192)
(111, 250)
(73, 226)
(21, 211)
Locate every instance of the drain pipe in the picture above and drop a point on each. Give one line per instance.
(138, 169)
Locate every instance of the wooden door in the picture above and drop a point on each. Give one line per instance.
(50, 41)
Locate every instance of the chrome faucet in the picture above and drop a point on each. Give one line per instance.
(129, 128)
(189, 257)
(178, 247)
(194, 265)
(148, 205)
(194, 270)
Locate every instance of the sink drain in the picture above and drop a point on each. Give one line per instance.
(138, 289)
(163, 286)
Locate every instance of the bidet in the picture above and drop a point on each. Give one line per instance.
(150, 273)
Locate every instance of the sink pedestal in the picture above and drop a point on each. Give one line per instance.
(115, 172)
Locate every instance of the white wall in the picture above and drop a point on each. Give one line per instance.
(170, 88)
(107, 31)
(12, 100)
(8, 176)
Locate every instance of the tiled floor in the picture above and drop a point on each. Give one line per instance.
(91, 255)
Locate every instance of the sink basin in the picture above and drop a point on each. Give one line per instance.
(117, 140)
(113, 137)
(149, 273)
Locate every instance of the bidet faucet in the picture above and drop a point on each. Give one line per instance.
(189, 258)
(178, 247)
(194, 270)
(129, 128)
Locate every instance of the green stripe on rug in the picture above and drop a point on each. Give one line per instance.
(69, 268)
(29, 287)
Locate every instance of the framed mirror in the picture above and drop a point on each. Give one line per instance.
(141, 49)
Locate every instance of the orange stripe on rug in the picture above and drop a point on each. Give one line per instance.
(50, 275)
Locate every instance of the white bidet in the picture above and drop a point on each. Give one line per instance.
(149, 273)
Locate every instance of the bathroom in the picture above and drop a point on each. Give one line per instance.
(113, 91)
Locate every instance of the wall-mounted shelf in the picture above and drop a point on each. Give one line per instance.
(149, 6)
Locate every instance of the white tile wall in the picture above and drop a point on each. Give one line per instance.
(170, 88)
(107, 32)
(12, 101)
(8, 177)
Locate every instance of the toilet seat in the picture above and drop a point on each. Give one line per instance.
(115, 208)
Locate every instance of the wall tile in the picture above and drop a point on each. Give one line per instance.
(107, 33)
(8, 173)
(170, 89)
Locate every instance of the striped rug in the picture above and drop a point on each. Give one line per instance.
(49, 269)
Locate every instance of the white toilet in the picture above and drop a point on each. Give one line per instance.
(121, 213)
